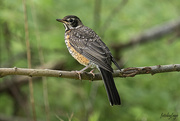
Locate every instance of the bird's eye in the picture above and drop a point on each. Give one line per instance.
(71, 20)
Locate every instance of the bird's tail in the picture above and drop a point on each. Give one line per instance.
(110, 86)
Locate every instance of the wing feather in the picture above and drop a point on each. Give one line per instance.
(86, 42)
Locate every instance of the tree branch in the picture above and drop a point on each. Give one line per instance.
(7, 83)
(150, 34)
(127, 72)
(36, 73)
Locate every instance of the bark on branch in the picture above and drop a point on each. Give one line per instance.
(127, 72)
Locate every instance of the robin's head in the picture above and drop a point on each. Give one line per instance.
(71, 22)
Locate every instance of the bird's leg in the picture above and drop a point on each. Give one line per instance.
(79, 72)
(85, 68)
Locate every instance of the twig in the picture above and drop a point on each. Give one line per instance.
(127, 72)
(41, 58)
(97, 13)
(111, 16)
(29, 59)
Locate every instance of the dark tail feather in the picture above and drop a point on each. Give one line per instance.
(110, 86)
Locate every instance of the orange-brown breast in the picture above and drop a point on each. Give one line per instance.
(79, 57)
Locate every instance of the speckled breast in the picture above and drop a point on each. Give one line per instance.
(79, 57)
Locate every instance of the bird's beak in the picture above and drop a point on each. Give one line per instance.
(60, 20)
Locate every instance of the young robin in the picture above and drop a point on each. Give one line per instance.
(89, 50)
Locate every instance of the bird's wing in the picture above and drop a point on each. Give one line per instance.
(86, 42)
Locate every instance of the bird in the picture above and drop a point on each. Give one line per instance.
(89, 50)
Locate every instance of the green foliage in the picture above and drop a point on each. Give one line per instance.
(144, 97)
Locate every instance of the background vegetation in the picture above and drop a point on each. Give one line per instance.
(144, 97)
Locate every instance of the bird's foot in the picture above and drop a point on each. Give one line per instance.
(92, 73)
(79, 74)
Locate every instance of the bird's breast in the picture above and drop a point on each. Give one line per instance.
(79, 57)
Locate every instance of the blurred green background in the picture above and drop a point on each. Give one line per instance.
(144, 97)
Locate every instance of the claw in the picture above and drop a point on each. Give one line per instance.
(79, 74)
(92, 73)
